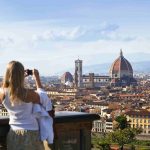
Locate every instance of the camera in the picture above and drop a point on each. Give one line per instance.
(29, 72)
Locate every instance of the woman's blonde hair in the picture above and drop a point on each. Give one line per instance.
(14, 81)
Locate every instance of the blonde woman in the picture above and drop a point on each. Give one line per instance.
(24, 131)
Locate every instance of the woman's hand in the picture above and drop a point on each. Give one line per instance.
(35, 73)
(37, 78)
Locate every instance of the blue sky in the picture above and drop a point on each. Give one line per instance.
(50, 34)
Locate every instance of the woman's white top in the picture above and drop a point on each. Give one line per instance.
(20, 115)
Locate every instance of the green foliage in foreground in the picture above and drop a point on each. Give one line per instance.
(122, 122)
(101, 142)
(124, 136)
(142, 143)
(121, 137)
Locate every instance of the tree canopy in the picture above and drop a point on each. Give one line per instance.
(125, 136)
(122, 122)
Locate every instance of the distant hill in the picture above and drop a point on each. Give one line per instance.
(141, 67)
(138, 67)
(103, 69)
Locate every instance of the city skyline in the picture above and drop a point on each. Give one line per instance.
(51, 35)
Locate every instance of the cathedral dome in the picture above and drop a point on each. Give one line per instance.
(121, 68)
(67, 76)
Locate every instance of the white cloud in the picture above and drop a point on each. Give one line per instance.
(60, 34)
(107, 27)
(83, 33)
(57, 47)
(5, 42)
(103, 31)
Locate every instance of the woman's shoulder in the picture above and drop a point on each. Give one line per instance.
(2, 94)
(32, 96)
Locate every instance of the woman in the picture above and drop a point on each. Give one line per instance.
(24, 131)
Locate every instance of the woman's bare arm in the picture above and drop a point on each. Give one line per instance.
(32, 96)
(37, 78)
(2, 94)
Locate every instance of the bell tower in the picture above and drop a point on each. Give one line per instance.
(78, 73)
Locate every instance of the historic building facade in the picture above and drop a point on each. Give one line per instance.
(120, 74)
(95, 81)
(139, 119)
(88, 81)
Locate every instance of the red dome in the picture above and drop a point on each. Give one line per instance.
(67, 76)
(121, 67)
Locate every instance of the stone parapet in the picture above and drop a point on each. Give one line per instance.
(72, 131)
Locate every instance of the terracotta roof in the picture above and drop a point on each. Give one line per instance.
(138, 112)
(100, 103)
(130, 95)
(107, 110)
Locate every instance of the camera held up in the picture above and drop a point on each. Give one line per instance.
(29, 72)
